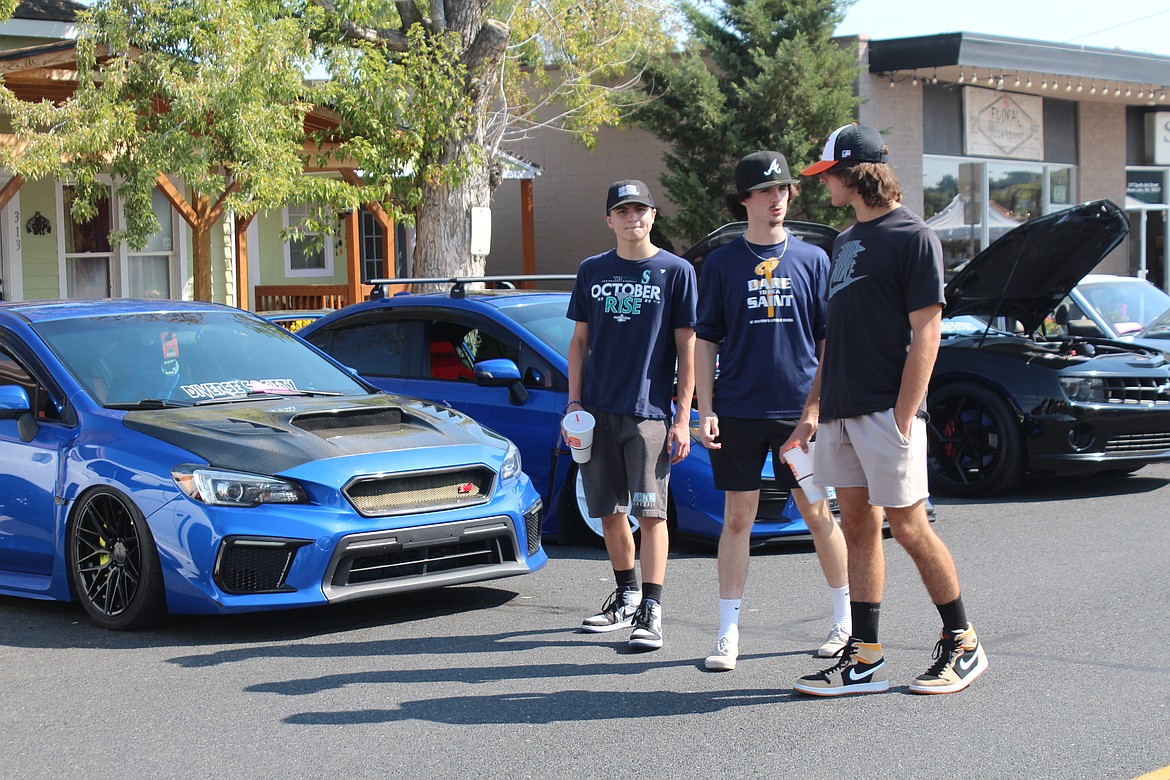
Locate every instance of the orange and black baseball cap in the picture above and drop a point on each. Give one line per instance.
(849, 145)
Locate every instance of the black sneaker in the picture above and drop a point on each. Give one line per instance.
(617, 612)
(647, 633)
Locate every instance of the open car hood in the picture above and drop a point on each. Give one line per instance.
(1028, 271)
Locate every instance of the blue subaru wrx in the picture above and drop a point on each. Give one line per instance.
(164, 456)
(500, 356)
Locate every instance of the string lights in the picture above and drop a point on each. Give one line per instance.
(1000, 81)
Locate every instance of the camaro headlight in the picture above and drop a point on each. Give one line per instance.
(1086, 389)
(235, 488)
(512, 463)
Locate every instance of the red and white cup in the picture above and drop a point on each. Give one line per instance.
(801, 463)
(579, 433)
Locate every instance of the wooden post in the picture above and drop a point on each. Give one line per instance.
(353, 256)
(527, 229)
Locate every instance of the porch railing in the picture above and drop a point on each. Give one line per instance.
(289, 297)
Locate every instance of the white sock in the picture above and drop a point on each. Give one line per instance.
(841, 614)
(729, 615)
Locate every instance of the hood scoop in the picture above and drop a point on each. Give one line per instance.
(349, 422)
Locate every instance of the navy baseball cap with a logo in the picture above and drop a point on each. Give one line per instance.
(628, 191)
(760, 170)
(849, 145)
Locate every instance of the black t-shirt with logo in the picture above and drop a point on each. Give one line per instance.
(882, 271)
(632, 308)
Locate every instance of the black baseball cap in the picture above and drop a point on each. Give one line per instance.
(849, 145)
(628, 191)
(760, 170)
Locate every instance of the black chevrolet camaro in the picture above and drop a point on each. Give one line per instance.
(1006, 400)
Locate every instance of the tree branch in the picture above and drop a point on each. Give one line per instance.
(394, 40)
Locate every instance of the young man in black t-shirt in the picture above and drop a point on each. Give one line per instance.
(634, 309)
(868, 408)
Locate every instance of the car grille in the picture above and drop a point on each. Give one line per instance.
(428, 491)
(1138, 443)
(423, 557)
(255, 565)
(1131, 390)
(532, 527)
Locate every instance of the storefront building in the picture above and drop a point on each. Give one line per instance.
(985, 132)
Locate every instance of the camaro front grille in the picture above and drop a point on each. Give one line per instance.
(426, 491)
(1138, 443)
(1133, 390)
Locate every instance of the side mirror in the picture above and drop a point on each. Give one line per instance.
(14, 405)
(502, 372)
(13, 401)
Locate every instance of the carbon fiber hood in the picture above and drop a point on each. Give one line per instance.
(273, 436)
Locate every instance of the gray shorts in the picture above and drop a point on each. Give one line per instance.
(629, 469)
(870, 452)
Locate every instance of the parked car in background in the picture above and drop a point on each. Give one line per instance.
(1007, 398)
(1114, 307)
(1013, 395)
(176, 457)
(500, 356)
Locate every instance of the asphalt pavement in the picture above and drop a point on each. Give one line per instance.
(1065, 581)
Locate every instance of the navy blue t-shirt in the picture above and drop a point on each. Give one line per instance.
(882, 270)
(765, 307)
(632, 308)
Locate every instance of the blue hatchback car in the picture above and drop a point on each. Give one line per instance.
(500, 356)
(163, 456)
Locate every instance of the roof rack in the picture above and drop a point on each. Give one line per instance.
(459, 283)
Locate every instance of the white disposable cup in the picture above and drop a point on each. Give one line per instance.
(801, 463)
(579, 432)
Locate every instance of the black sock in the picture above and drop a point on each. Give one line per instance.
(865, 620)
(954, 617)
(626, 580)
(651, 590)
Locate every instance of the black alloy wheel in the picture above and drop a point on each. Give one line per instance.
(113, 563)
(976, 445)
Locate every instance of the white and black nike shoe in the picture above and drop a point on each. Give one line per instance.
(647, 633)
(617, 612)
(861, 668)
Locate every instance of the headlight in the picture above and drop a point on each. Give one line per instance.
(1085, 389)
(512, 463)
(235, 488)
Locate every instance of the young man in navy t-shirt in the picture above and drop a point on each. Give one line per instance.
(868, 408)
(762, 314)
(634, 308)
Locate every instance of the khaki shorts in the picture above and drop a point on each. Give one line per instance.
(870, 452)
(629, 470)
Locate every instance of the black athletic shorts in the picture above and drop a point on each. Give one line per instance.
(746, 444)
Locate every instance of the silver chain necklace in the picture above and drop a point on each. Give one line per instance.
(783, 249)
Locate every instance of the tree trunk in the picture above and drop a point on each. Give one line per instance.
(443, 222)
(443, 225)
(201, 249)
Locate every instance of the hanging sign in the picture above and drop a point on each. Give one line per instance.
(1003, 124)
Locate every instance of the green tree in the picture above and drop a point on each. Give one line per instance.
(419, 95)
(757, 74)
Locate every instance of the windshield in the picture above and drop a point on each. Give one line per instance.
(187, 357)
(1126, 307)
(546, 321)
